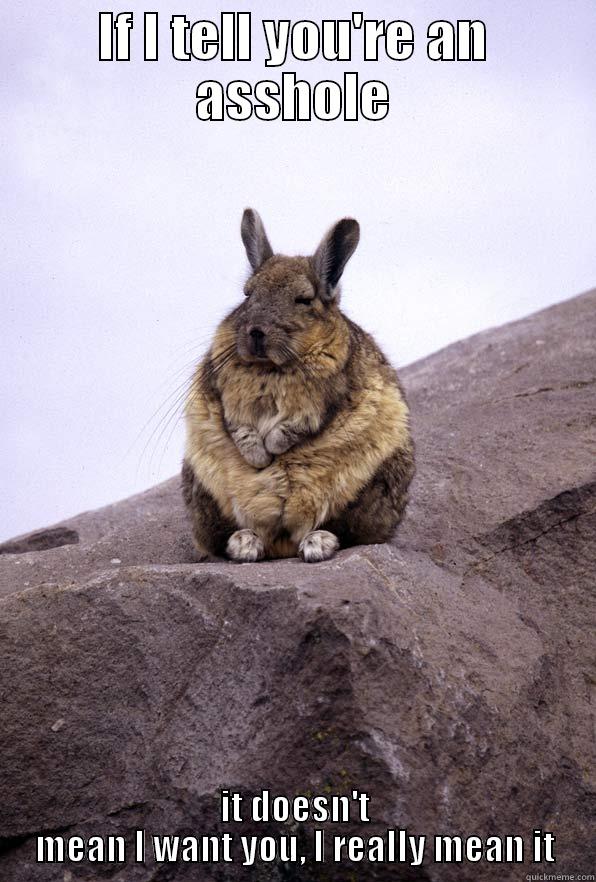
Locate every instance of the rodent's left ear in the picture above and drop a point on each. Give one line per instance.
(252, 230)
(333, 253)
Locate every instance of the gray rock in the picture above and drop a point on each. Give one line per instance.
(451, 674)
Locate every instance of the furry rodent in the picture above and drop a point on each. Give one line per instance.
(297, 427)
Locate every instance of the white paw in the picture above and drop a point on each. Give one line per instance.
(245, 546)
(277, 441)
(318, 545)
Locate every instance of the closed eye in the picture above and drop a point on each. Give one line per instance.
(305, 300)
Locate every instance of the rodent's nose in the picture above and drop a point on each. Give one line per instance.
(257, 339)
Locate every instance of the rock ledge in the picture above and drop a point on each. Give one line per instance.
(450, 674)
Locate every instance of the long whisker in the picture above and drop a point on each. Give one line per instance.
(164, 419)
(173, 412)
(170, 406)
(213, 360)
(180, 388)
(173, 421)
(216, 364)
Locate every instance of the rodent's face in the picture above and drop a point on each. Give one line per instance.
(290, 312)
(283, 316)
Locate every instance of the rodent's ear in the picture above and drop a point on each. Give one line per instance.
(333, 253)
(258, 249)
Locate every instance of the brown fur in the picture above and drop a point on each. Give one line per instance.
(323, 415)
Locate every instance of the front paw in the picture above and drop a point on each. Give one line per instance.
(318, 545)
(278, 441)
(256, 456)
(251, 447)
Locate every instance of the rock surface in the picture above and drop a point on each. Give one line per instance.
(451, 674)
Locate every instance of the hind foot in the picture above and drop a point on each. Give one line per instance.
(318, 545)
(244, 546)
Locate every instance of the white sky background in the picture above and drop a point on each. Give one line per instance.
(120, 215)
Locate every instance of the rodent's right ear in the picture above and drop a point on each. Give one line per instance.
(333, 253)
(258, 249)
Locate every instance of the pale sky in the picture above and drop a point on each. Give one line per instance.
(121, 250)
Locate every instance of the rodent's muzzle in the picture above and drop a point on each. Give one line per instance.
(257, 342)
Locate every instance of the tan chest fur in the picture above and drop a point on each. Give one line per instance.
(262, 401)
